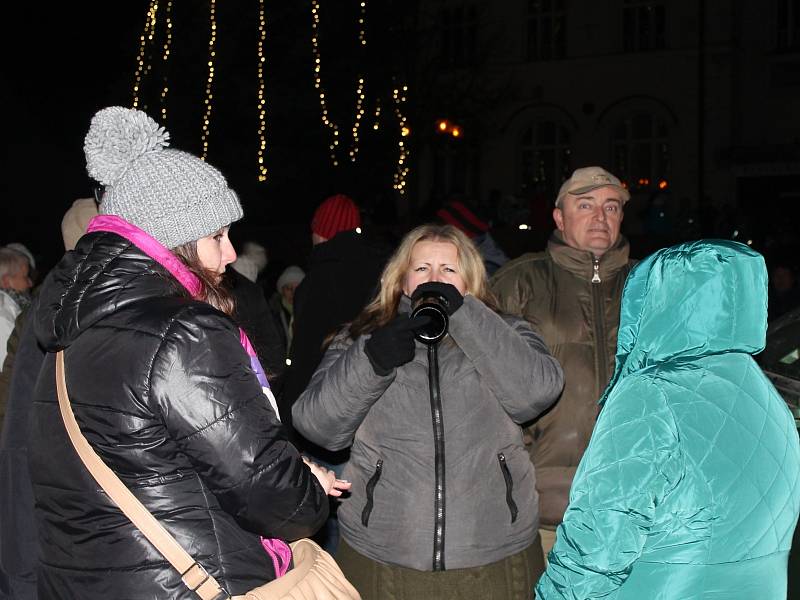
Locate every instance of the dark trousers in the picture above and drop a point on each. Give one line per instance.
(512, 578)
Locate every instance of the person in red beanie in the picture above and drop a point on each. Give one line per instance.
(343, 272)
(336, 214)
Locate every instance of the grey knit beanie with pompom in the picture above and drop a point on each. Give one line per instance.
(172, 195)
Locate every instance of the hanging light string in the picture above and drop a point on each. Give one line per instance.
(360, 96)
(262, 100)
(401, 172)
(165, 61)
(318, 81)
(376, 122)
(143, 66)
(212, 40)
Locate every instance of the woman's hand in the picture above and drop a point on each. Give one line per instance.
(327, 479)
(392, 345)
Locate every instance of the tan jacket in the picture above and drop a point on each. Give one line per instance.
(578, 320)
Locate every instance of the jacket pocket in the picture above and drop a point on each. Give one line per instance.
(512, 506)
(373, 481)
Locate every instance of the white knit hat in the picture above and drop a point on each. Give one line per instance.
(291, 274)
(172, 195)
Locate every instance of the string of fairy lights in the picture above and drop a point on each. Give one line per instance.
(212, 42)
(165, 61)
(142, 66)
(399, 95)
(401, 171)
(328, 123)
(262, 97)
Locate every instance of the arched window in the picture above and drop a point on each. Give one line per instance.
(544, 158)
(640, 151)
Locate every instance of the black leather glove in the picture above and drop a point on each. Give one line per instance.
(448, 291)
(392, 345)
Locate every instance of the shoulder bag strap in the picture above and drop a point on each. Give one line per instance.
(193, 574)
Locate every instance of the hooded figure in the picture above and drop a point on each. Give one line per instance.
(690, 486)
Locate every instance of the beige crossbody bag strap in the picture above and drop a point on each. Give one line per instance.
(192, 573)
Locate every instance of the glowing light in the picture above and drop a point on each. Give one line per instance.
(212, 40)
(662, 185)
(262, 100)
(456, 132)
(524, 227)
(358, 229)
(442, 125)
(165, 62)
(401, 172)
(142, 65)
(328, 123)
(405, 132)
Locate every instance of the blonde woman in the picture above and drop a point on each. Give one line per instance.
(443, 501)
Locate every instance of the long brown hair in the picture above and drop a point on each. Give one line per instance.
(383, 307)
(212, 290)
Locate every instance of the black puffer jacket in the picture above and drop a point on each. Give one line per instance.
(164, 392)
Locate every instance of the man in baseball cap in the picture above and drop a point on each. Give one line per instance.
(571, 294)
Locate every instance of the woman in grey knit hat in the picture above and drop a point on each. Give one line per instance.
(165, 388)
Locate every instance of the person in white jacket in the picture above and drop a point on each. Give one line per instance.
(15, 285)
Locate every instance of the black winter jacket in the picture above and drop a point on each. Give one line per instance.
(164, 392)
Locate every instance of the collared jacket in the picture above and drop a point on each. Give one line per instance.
(494, 373)
(164, 392)
(572, 300)
(690, 486)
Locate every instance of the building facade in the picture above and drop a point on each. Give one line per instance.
(689, 102)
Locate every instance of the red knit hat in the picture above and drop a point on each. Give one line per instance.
(335, 214)
(459, 216)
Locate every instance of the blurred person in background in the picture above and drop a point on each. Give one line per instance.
(18, 543)
(281, 303)
(15, 295)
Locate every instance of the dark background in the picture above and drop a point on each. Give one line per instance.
(63, 62)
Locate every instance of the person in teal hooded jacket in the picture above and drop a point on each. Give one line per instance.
(690, 486)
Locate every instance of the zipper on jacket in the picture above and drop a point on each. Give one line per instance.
(600, 342)
(596, 270)
(373, 481)
(512, 506)
(438, 451)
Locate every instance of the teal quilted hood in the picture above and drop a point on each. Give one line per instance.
(689, 301)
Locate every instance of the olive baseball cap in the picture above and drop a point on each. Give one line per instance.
(587, 179)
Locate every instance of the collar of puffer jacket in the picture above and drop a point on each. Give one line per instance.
(105, 273)
(580, 262)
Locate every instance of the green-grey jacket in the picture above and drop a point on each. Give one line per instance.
(690, 486)
(572, 301)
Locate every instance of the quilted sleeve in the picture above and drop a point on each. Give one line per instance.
(632, 463)
(510, 358)
(213, 407)
(339, 396)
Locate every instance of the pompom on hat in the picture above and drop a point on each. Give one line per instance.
(337, 213)
(172, 195)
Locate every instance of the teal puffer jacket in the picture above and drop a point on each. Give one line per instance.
(690, 487)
